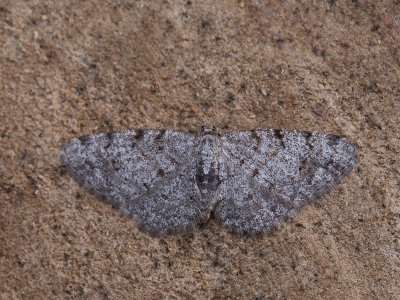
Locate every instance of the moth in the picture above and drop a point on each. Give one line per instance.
(170, 181)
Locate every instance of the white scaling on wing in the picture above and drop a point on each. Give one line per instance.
(169, 181)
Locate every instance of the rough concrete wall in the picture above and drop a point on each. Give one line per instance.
(70, 68)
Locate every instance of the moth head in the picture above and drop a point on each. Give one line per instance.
(208, 129)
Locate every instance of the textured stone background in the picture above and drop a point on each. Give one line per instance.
(70, 68)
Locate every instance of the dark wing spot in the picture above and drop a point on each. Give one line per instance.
(158, 138)
(241, 162)
(160, 173)
(273, 208)
(275, 153)
(116, 165)
(174, 161)
(139, 134)
(108, 136)
(307, 135)
(116, 205)
(328, 164)
(255, 172)
(84, 139)
(200, 176)
(90, 164)
(303, 165)
(160, 135)
(280, 136)
(332, 139)
(255, 136)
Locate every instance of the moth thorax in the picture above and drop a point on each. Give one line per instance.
(207, 177)
(208, 129)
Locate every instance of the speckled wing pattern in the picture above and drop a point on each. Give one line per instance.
(269, 175)
(146, 174)
(169, 181)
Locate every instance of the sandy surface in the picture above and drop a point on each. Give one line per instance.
(70, 68)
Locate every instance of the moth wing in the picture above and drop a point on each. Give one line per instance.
(271, 174)
(146, 174)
